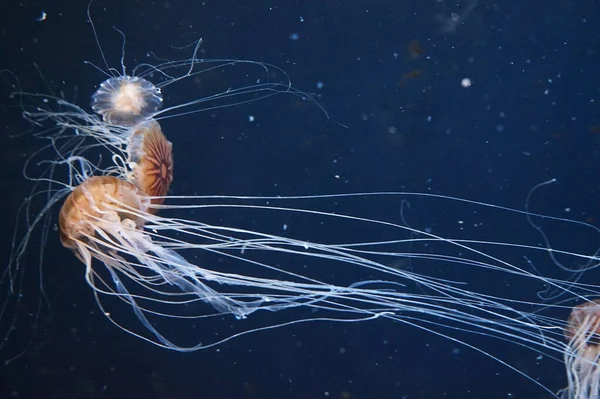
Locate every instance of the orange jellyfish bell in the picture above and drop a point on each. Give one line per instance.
(126, 100)
(100, 205)
(584, 324)
(151, 160)
(582, 354)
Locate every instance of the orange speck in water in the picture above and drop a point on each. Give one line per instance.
(415, 50)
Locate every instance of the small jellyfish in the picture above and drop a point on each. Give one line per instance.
(126, 100)
(150, 158)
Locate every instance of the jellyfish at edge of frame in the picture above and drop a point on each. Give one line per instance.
(582, 354)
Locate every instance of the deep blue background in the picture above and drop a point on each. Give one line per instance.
(531, 115)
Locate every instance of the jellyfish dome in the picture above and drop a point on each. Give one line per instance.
(99, 205)
(583, 352)
(150, 158)
(126, 100)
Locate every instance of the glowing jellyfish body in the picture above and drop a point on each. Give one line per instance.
(126, 100)
(100, 204)
(582, 356)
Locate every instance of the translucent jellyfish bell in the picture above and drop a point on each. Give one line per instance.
(126, 100)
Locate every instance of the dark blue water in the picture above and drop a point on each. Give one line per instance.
(389, 75)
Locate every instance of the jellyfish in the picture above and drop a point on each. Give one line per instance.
(126, 100)
(239, 265)
(582, 352)
(150, 159)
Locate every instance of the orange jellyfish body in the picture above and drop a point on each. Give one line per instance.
(96, 206)
(582, 352)
(584, 321)
(151, 160)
